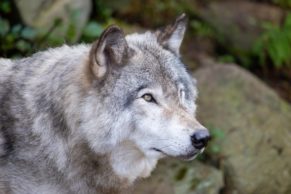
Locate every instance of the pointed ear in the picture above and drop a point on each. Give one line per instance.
(171, 36)
(111, 50)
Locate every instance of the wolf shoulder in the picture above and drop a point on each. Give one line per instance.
(6, 66)
(5, 72)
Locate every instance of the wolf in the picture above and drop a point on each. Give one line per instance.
(93, 118)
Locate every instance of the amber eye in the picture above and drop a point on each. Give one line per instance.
(148, 98)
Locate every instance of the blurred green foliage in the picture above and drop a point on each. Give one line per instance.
(91, 31)
(5, 7)
(283, 3)
(202, 29)
(275, 44)
(18, 39)
(216, 135)
(226, 59)
(144, 12)
(272, 48)
(214, 150)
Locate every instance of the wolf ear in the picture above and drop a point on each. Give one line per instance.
(111, 50)
(171, 36)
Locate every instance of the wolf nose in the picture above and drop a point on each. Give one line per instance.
(200, 138)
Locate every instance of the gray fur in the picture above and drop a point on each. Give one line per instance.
(60, 122)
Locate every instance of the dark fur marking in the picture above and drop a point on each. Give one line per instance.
(55, 113)
(133, 95)
(7, 120)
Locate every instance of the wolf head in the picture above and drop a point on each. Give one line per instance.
(142, 95)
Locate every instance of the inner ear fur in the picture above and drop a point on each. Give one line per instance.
(171, 36)
(110, 51)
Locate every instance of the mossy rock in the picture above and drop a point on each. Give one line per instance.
(255, 150)
(176, 177)
(240, 23)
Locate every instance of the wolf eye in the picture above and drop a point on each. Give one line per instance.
(149, 98)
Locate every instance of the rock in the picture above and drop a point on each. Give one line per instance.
(255, 151)
(176, 177)
(42, 14)
(241, 22)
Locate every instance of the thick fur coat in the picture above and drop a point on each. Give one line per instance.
(93, 118)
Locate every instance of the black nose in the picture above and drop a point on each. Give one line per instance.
(200, 138)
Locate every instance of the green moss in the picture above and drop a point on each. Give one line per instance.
(181, 174)
(194, 183)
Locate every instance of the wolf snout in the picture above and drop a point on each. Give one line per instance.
(200, 138)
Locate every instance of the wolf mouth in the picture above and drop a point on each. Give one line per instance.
(189, 156)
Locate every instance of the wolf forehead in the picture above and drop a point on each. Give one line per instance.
(154, 66)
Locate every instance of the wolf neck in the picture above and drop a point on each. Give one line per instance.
(129, 163)
(88, 172)
(113, 172)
